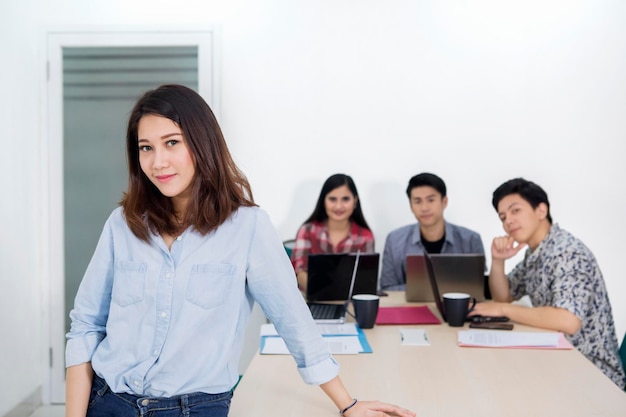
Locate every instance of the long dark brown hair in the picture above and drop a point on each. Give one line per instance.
(335, 181)
(219, 188)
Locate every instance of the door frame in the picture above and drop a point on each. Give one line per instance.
(51, 228)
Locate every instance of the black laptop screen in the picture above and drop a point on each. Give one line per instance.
(329, 276)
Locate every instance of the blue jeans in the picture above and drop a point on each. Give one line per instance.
(105, 403)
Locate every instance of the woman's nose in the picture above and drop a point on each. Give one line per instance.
(160, 159)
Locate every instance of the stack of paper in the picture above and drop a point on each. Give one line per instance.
(532, 340)
(342, 339)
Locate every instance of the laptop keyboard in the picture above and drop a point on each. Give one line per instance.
(324, 311)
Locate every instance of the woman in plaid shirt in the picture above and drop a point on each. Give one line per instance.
(337, 225)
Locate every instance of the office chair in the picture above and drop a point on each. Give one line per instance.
(288, 244)
(622, 354)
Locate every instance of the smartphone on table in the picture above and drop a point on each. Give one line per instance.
(491, 325)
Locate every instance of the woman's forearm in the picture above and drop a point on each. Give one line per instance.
(79, 379)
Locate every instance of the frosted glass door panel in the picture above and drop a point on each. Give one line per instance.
(100, 86)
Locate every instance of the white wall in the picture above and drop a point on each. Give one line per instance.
(477, 92)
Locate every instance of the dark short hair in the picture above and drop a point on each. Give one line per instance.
(528, 190)
(335, 181)
(426, 179)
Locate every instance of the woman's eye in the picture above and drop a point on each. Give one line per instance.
(145, 148)
(171, 142)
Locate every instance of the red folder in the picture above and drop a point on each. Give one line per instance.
(406, 315)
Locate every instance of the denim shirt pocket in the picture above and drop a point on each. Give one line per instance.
(129, 282)
(209, 284)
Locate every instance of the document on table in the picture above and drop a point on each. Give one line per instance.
(347, 329)
(414, 337)
(342, 339)
(500, 339)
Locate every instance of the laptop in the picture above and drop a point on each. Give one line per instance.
(430, 271)
(335, 277)
(434, 284)
(454, 273)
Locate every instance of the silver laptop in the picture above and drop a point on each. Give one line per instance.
(454, 273)
(335, 277)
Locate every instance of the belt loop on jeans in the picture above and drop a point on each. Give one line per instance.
(105, 387)
(184, 404)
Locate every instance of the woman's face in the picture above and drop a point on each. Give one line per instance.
(340, 203)
(165, 158)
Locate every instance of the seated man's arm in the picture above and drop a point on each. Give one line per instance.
(545, 317)
(551, 318)
(498, 282)
(502, 248)
(391, 273)
(476, 244)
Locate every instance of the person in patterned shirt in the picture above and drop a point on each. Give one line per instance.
(559, 274)
(337, 225)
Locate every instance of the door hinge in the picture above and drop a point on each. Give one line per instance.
(50, 352)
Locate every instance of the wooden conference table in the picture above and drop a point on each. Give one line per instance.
(441, 380)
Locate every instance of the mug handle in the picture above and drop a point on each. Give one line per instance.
(473, 304)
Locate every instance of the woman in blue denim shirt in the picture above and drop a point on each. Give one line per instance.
(159, 319)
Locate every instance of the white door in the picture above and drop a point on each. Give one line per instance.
(93, 79)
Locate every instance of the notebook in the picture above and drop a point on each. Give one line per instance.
(336, 277)
(453, 272)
